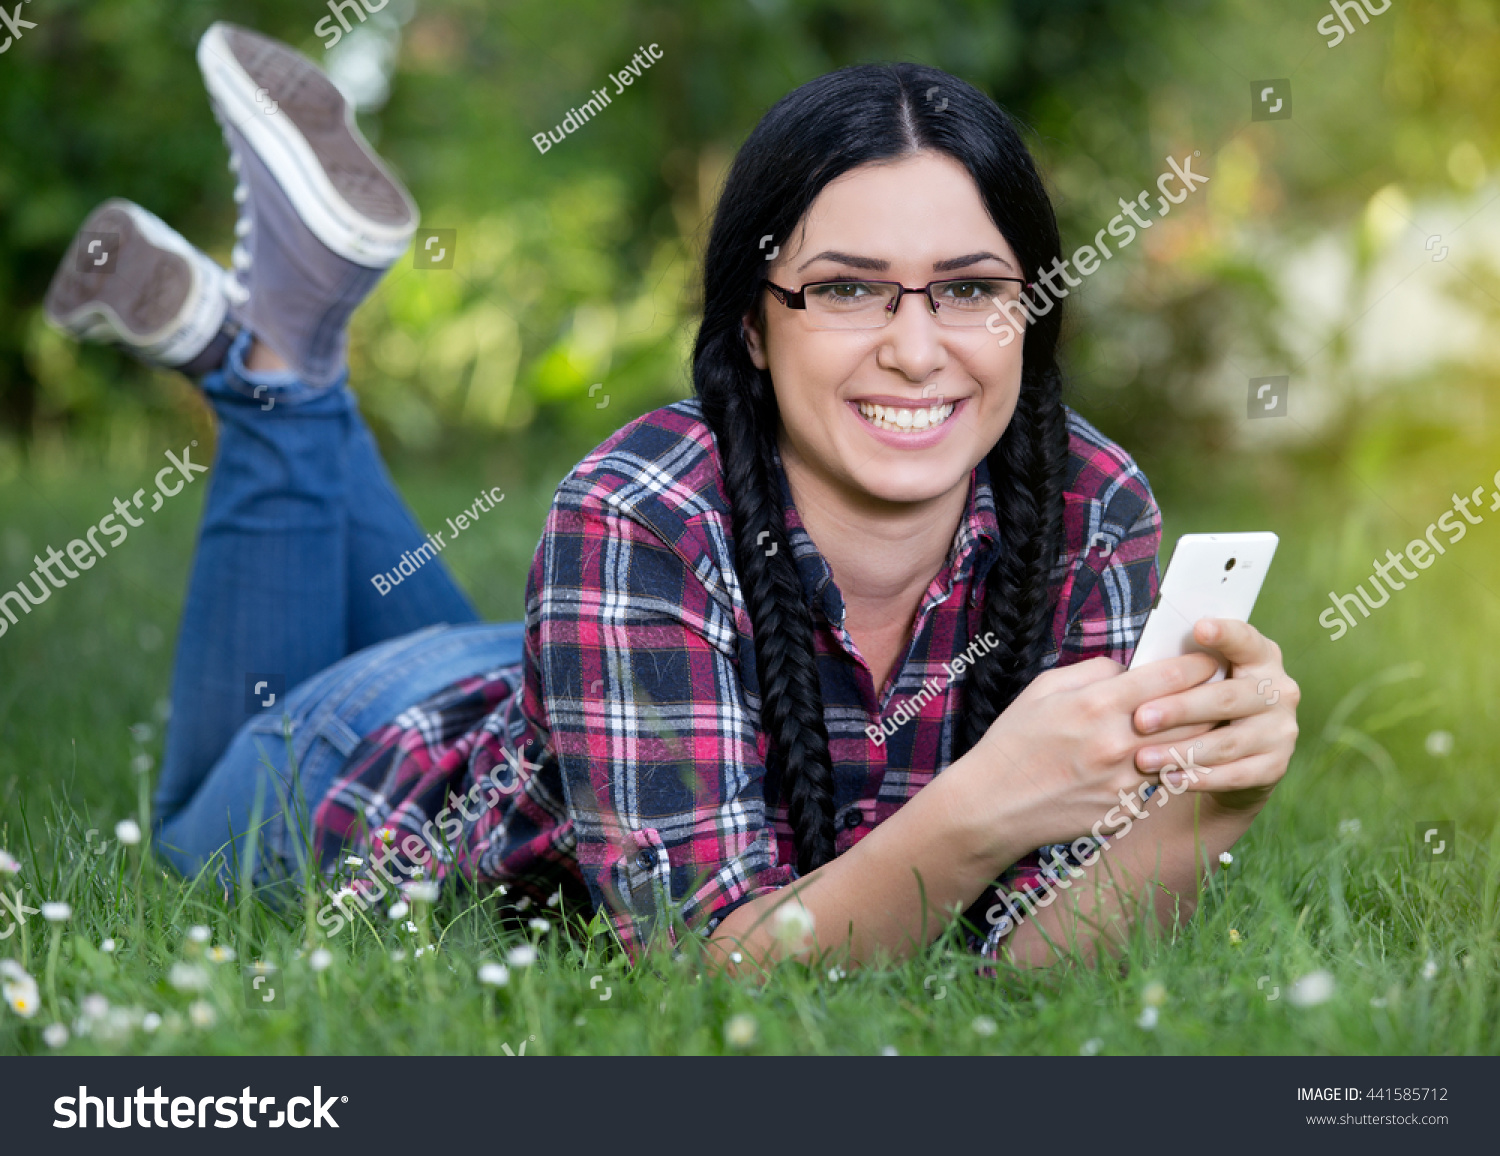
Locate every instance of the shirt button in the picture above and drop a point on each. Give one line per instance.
(647, 859)
(852, 818)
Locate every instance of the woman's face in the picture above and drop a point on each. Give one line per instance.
(915, 220)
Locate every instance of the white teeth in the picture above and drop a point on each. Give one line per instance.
(904, 420)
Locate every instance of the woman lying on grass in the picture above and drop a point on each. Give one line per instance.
(759, 622)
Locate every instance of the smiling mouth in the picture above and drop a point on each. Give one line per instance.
(901, 420)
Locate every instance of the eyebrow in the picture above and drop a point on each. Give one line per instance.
(879, 265)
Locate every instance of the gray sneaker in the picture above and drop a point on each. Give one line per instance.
(129, 279)
(321, 217)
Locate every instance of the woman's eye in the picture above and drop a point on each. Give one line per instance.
(846, 289)
(969, 292)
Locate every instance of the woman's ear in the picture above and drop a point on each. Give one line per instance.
(755, 340)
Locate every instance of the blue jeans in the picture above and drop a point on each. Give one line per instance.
(288, 654)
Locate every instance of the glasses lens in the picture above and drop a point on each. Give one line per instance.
(849, 304)
(970, 302)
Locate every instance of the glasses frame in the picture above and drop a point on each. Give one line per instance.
(796, 298)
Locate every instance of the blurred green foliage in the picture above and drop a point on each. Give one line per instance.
(571, 303)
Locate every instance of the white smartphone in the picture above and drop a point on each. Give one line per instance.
(1209, 576)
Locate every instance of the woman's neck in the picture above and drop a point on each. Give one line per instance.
(883, 555)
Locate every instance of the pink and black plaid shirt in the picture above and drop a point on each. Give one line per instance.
(620, 763)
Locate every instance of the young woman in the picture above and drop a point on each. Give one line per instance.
(836, 634)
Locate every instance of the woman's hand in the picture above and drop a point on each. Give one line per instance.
(1253, 712)
(1065, 751)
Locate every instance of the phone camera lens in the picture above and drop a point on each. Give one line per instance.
(1229, 565)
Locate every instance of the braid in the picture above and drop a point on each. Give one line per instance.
(1026, 468)
(791, 697)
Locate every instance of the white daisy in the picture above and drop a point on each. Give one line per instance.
(983, 1026)
(221, 954)
(108, 946)
(320, 959)
(55, 1035)
(793, 926)
(494, 974)
(198, 933)
(521, 956)
(56, 912)
(1312, 989)
(421, 892)
(1148, 1018)
(188, 977)
(540, 926)
(23, 996)
(741, 1030)
(9, 865)
(202, 1014)
(128, 832)
(1225, 858)
(150, 1022)
(399, 909)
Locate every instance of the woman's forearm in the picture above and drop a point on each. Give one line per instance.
(1153, 862)
(888, 895)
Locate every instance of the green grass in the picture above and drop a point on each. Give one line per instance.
(1411, 946)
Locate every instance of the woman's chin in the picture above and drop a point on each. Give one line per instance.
(907, 486)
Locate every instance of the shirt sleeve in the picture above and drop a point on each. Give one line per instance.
(636, 649)
(1108, 593)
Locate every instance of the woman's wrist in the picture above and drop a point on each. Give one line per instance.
(985, 827)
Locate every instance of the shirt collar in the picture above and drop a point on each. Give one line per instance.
(975, 548)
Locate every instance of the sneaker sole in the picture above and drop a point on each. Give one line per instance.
(304, 130)
(154, 293)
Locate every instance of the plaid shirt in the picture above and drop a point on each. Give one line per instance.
(620, 764)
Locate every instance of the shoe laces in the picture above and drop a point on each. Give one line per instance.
(237, 286)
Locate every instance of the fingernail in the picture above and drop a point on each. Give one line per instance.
(1150, 719)
(1173, 777)
(1151, 759)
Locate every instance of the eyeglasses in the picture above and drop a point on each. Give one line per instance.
(962, 302)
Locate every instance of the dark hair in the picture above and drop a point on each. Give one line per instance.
(811, 136)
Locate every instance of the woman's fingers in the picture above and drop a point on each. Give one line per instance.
(1249, 778)
(1269, 732)
(1239, 642)
(1212, 702)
